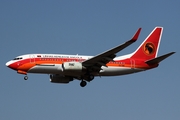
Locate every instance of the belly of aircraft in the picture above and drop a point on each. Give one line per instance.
(46, 69)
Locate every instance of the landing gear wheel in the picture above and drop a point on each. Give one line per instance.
(25, 77)
(83, 83)
(91, 77)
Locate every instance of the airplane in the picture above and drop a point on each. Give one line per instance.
(64, 68)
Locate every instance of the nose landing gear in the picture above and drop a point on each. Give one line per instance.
(25, 77)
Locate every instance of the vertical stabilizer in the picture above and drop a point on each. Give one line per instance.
(149, 48)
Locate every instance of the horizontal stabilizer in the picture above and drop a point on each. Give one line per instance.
(159, 59)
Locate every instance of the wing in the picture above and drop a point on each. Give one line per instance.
(95, 63)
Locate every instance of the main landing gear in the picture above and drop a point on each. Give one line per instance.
(87, 78)
(83, 83)
(25, 77)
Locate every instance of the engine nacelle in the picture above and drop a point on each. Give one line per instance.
(72, 66)
(60, 79)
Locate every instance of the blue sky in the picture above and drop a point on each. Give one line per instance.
(88, 28)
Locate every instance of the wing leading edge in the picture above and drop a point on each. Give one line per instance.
(102, 59)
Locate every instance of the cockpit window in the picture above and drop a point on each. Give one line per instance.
(18, 58)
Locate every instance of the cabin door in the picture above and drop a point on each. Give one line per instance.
(32, 58)
(132, 63)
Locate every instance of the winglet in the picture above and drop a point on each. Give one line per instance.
(136, 35)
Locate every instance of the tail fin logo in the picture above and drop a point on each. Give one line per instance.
(149, 48)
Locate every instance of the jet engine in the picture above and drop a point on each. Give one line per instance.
(60, 79)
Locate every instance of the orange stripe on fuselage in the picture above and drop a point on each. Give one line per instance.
(130, 63)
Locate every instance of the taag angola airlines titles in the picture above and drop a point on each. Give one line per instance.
(66, 68)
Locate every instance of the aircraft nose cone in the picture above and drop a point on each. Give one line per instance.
(11, 65)
(7, 64)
